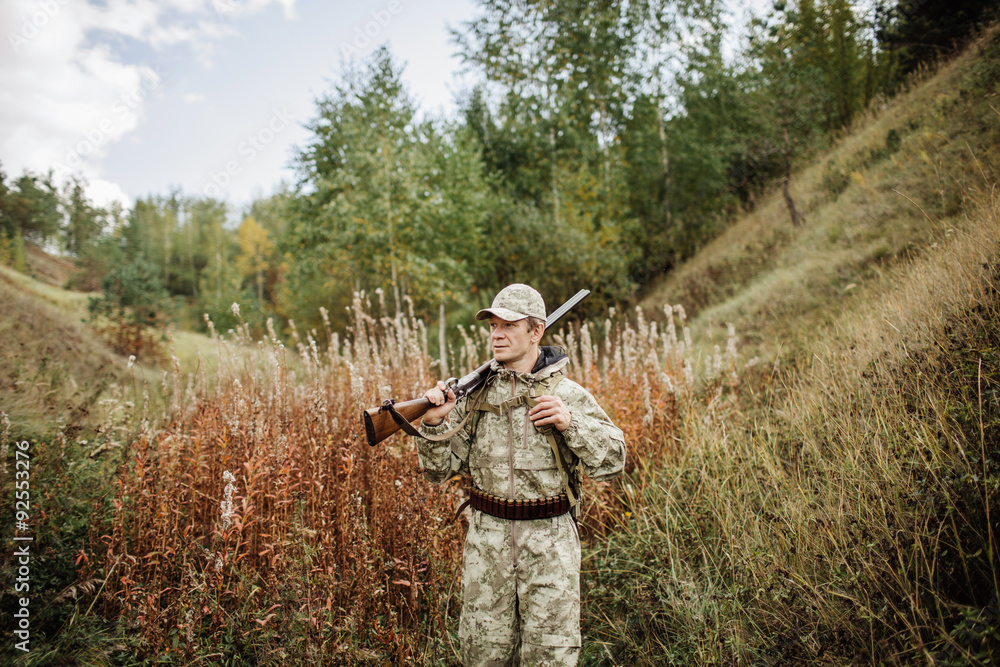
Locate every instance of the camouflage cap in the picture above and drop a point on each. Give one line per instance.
(515, 302)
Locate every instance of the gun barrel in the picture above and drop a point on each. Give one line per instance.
(566, 307)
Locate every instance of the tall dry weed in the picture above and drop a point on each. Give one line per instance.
(644, 376)
(258, 522)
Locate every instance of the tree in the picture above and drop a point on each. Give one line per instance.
(84, 222)
(150, 230)
(574, 117)
(181, 235)
(558, 74)
(791, 94)
(134, 306)
(31, 208)
(917, 32)
(384, 200)
(12, 251)
(256, 249)
(200, 239)
(102, 253)
(94, 262)
(219, 288)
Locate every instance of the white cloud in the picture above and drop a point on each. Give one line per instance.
(193, 98)
(237, 7)
(102, 193)
(66, 95)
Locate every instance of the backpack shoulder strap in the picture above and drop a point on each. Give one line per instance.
(566, 472)
(477, 405)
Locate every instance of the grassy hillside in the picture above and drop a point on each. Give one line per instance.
(842, 507)
(53, 372)
(50, 269)
(898, 184)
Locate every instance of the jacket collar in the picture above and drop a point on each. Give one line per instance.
(551, 358)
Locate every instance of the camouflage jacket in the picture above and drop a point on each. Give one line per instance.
(509, 457)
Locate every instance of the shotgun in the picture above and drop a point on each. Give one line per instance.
(386, 419)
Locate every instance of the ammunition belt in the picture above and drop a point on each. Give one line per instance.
(519, 510)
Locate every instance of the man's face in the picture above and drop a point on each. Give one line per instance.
(512, 342)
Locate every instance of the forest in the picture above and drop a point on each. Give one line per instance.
(604, 144)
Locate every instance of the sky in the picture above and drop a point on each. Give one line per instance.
(207, 96)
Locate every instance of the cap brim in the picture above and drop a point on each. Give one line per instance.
(502, 313)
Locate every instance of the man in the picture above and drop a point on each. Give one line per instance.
(531, 431)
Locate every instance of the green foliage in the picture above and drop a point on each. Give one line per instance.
(550, 121)
(180, 235)
(12, 251)
(557, 256)
(926, 31)
(30, 208)
(94, 261)
(386, 201)
(611, 140)
(134, 302)
(676, 141)
(69, 490)
(219, 287)
(715, 147)
(83, 221)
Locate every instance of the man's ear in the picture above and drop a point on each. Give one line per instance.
(538, 332)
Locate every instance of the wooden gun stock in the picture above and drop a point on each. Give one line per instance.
(379, 423)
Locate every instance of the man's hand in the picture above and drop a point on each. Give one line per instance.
(551, 410)
(443, 405)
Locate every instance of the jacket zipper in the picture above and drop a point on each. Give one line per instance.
(510, 464)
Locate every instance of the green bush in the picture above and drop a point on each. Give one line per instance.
(134, 306)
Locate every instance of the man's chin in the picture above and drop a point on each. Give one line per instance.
(501, 357)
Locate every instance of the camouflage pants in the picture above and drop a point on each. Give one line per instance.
(528, 614)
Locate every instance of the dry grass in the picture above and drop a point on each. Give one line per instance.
(50, 269)
(72, 303)
(58, 375)
(53, 374)
(842, 507)
(258, 522)
(848, 516)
